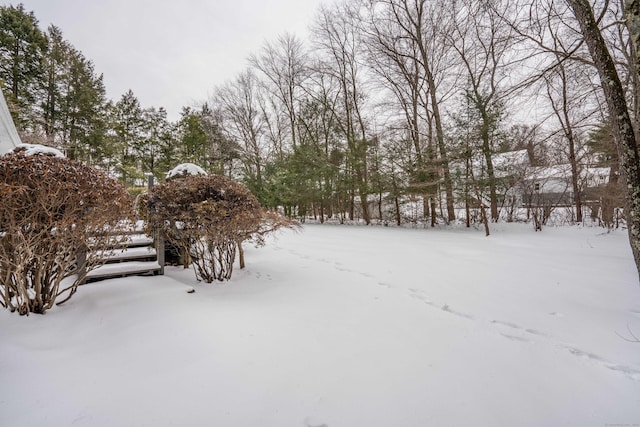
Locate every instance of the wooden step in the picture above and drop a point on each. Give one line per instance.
(132, 240)
(138, 240)
(130, 253)
(124, 269)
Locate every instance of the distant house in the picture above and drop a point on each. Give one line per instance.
(547, 186)
(595, 181)
(9, 138)
(522, 184)
(551, 185)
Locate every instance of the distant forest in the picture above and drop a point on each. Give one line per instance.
(391, 105)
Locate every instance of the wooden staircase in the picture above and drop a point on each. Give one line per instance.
(138, 254)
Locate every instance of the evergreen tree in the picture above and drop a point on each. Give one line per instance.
(158, 153)
(56, 70)
(221, 151)
(127, 124)
(83, 110)
(193, 138)
(22, 48)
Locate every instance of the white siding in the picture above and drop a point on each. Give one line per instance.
(9, 138)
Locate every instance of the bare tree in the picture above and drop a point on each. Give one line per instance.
(239, 102)
(568, 89)
(285, 65)
(620, 113)
(339, 39)
(484, 47)
(408, 33)
(317, 123)
(396, 60)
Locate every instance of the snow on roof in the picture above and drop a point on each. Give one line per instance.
(510, 159)
(587, 172)
(549, 172)
(504, 164)
(185, 169)
(37, 149)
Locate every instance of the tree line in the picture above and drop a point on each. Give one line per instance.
(388, 101)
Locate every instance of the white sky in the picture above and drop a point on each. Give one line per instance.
(171, 53)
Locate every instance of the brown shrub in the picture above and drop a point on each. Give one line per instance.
(52, 208)
(207, 217)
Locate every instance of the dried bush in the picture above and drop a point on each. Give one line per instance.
(51, 209)
(208, 217)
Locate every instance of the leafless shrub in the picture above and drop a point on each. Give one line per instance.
(51, 209)
(208, 217)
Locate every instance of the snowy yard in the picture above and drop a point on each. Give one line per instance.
(346, 326)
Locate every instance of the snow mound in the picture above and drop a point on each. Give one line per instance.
(37, 149)
(185, 169)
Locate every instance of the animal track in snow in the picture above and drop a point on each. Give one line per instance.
(629, 372)
(457, 313)
(508, 324)
(420, 295)
(516, 338)
(515, 327)
(582, 354)
(309, 422)
(534, 332)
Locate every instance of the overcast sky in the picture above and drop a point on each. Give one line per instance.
(171, 53)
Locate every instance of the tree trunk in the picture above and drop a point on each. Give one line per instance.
(621, 122)
(241, 255)
(633, 26)
(577, 199)
(444, 160)
(609, 197)
(568, 131)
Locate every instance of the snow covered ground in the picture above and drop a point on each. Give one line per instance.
(347, 326)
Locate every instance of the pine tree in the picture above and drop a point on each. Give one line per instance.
(127, 123)
(22, 48)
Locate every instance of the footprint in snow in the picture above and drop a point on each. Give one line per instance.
(309, 422)
(556, 314)
(534, 332)
(507, 324)
(457, 313)
(519, 328)
(418, 294)
(516, 338)
(629, 372)
(583, 354)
